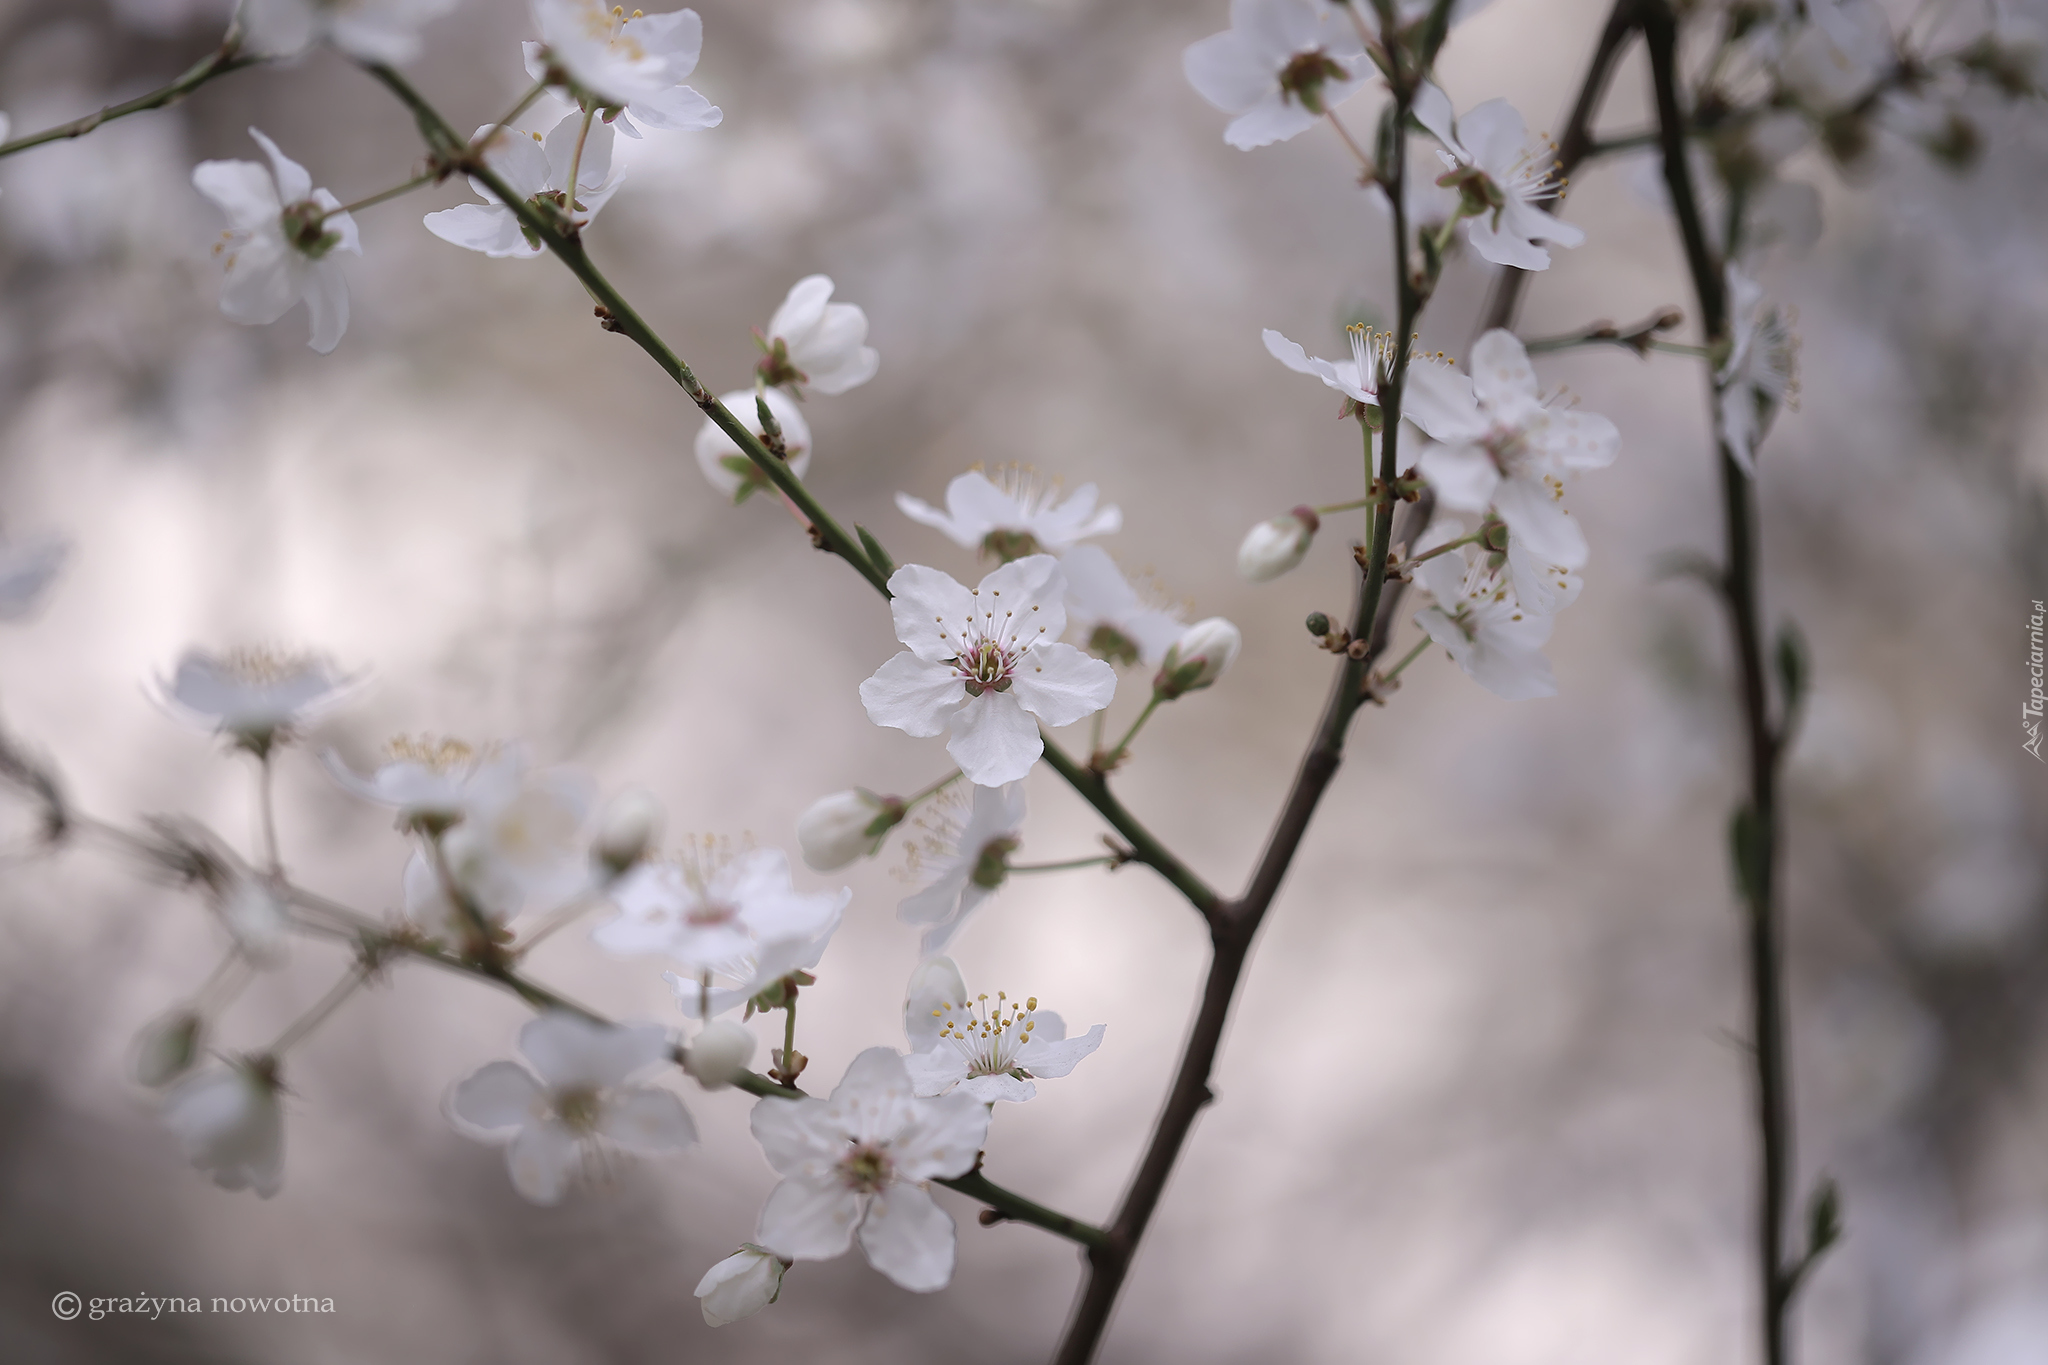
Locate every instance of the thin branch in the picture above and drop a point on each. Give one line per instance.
(218, 63)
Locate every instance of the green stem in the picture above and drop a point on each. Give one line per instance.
(1102, 763)
(1009, 1207)
(576, 170)
(218, 63)
(788, 1036)
(423, 178)
(1410, 657)
(267, 810)
(1097, 861)
(1369, 500)
(526, 100)
(935, 788)
(1144, 846)
(325, 1006)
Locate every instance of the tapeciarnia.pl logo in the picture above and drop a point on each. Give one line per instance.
(2037, 699)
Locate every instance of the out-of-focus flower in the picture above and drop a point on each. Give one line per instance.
(370, 30)
(1017, 517)
(278, 249)
(992, 1052)
(764, 978)
(581, 1095)
(741, 1285)
(1758, 376)
(636, 63)
(628, 828)
(167, 1047)
(1836, 56)
(813, 341)
(719, 1053)
(254, 915)
(27, 569)
(720, 457)
(963, 865)
(228, 1121)
(427, 780)
(1198, 658)
(1503, 174)
(1500, 443)
(536, 169)
(1275, 547)
(1279, 67)
(836, 829)
(1496, 640)
(855, 1163)
(1109, 616)
(986, 664)
(254, 695)
(716, 908)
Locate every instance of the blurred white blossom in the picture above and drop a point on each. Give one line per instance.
(964, 863)
(537, 170)
(727, 467)
(27, 569)
(253, 695)
(1478, 618)
(813, 341)
(1758, 376)
(369, 30)
(715, 909)
(1279, 67)
(229, 1124)
(636, 63)
(1109, 616)
(278, 249)
(1019, 516)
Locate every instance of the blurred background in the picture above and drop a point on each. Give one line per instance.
(1483, 1098)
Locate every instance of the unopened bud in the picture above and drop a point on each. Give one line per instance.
(1197, 658)
(1318, 623)
(844, 826)
(718, 1054)
(630, 826)
(741, 1285)
(1273, 547)
(166, 1049)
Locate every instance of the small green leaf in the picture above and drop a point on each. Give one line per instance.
(1791, 661)
(1823, 1219)
(1746, 846)
(877, 556)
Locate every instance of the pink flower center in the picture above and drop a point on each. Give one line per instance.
(867, 1168)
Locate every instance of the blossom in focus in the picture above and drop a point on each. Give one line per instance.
(762, 978)
(536, 169)
(985, 664)
(1014, 518)
(1275, 547)
(992, 1052)
(813, 341)
(1504, 174)
(369, 30)
(1501, 444)
(1198, 658)
(740, 1286)
(229, 1124)
(1279, 67)
(278, 249)
(552, 1122)
(254, 695)
(727, 467)
(715, 908)
(636, 63)
(1356, 378)
(1109, 616)
(1477, 616)
(1758, 376)
(840, 827)
(855, 1165)
(963, 865)
(27, 569)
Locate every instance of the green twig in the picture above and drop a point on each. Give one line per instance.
(218, 63)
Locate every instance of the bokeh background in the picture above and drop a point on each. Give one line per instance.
(1483, 1098)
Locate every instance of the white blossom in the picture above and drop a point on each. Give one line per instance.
(712, 911)
(1478, 617)
(1110, 617)
(963, 865)
(369, 30)
(740, 1286)
(28, 568)
(766, 973)
(985, 664)
(1017, 517)
(636, 63)
(553, 1123)
(1198, 658)
(857, 1163)
(990, 1051)
(1275, 547)
(1836, 55)
(813, 341)
(255, 915)
(536, 169)
(253, 695)
(229, 1124)
(629, 826)
(727, 467)
(1278, 68)
(719, 1054)
(278, 249)
(1356, 378)
(426, 780)
(1501, 443)
(1504, 174)
(837, 828)
(1758, 376)
(519, 843)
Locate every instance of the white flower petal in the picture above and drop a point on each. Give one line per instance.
(809, 1218)
(909, 1238)
(495, 1097)
(1060, 685)
(994, 740)
(913, 696)
(646, 1119)
(542, 1158)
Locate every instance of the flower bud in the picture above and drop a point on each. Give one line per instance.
(1197, 658)
(741, 1285)
(1318, 623)
(166, 1049)
(1274, 547)
(717, 1056)
(844, 826)
(630, 825)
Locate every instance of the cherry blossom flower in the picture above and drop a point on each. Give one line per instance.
(536, 169)
(986, 664)
(813, 341)
(715, 909)
(428, 780)
(1504, 174)
(727, 467)
(1198, 658)
(741, 1285)
(1356, 378)
(963, 864)
(369, 30)
(517, 844)
(992, 1052)
(636, 63)
(763, 977)
(552, 1124)
(628, 828)
(855, 1165)
(27, 569)
(255, 696)
(1109, 616)
(1835, 56)
(1478, 617)
(1279, 67)
(1017, 517)
(1275, 547)
(1501, 444)
(228, 1121)
(1758, 376)
(836, 829)
(278, 249)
